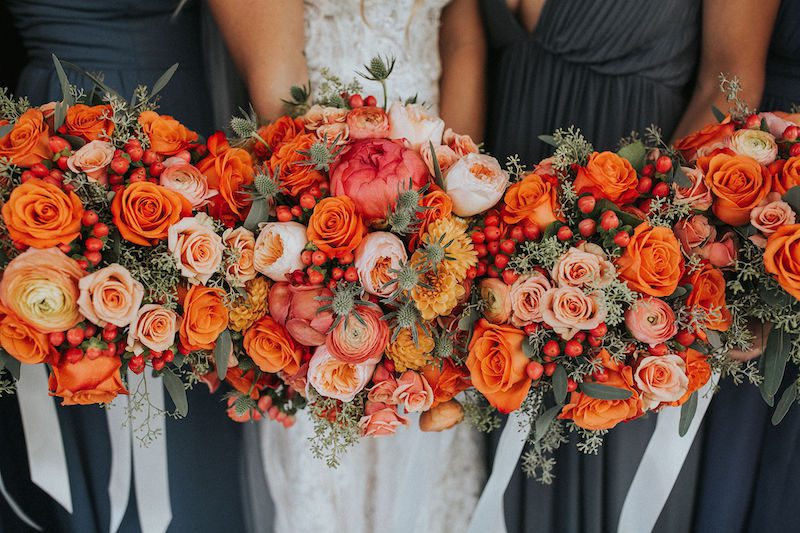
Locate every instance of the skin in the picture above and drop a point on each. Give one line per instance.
(266, 40)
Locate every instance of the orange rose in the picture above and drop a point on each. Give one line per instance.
(698, 371)
(272, 348)
(708, 294)
(593, 414)
(204, 318)
(437, 204)
(282, 130)
(607, 175)
(788, 177)
(41, 215)
(531, 199)
(90, 122)
(229, 170)
(89, 381)
(446, 380)
(167, 135)
(738, 184)
(144, 211)
(28, 142)
(781, 258)
(335, 227)
(708, 138)
(497, 365)
(245, 381)
(652, 263)
(21, 340)
(296, 178)
(441, 417)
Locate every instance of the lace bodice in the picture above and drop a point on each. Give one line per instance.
(343, 35)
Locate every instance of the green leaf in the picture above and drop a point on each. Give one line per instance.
(5, 129)
(97, 81)
(437, 171)
(719, 115)
(560, 384)
(776, 355)
(64, 82)
(792, 197)
(549, 139)
(784, 404)
(527, 349)
(688, 410)
(625, 218)
(222, 352)
(679, 177)
(604, 392)
(59, 114)
(635, 153)
(259, 212)
(74, 142)
(713, 338)
(9, 363)
(163, 80)
(543, 422)
(176, 391)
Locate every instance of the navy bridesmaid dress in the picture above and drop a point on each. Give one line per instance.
(130, 42)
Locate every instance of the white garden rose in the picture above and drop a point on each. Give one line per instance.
(760, 145)
(412, 123)
(377, 253)
(475, 183)
(278, 249)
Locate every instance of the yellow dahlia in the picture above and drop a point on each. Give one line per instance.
(245, 311)
(451, 234)
(442, 296)
(408, 355)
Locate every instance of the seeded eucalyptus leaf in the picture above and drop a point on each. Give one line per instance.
(549, 139)
(163, 80)
(560, 384)
(97, 81)
(786, 402)
(713, 338)
(776, 355)
(64, 82)
(635, 154)
(528, 350)
(604, 392)
(543, 422)
(680, 178)
(222, 352)
(4, 130)
(688, 410)
(59, 114)
(259, 212)
(719, 115)
(74, 142)
(775, 297)
(437, 171)
(792, 197)
(9, 363)
(176, 391)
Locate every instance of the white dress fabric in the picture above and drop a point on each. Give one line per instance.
(412, 481)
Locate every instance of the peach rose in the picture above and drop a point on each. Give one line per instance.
(41, 288)
(167, 135)
(723, 252)
(708, 295)
(384, 386)
(278, 248)
(445, 156)
(318, 115)
(756, 144)
(143, 212)
(337, 132)
(780, 258)
(412, 123)
(413, 392)
(697, 195)
(738, 183)
(707, 139)
(532, 199)
(230, 171)
(205, 317)
(355, 342)
(41, 215)
(89, 122)
(368, 123)
(651, 321)
(777, 122)
(475, 183)
(569, 310)
(21, 340)
(526, 298)
(496, 296)
(693, 232)
(110, 296)
(607, 175)
(788, 177)
(579, 268)
(441, 417)
(154, 327)
(297, 309)
(196, 247)
(333, 378)
(335, 227)
(460, 144)
(652, 262)
(662, 379)
(93, 159)
(594, 414)
(187, 181)
(446, 380)
(272, 348)
(497, 365)
(28, 142)
(380, 419)
(378, 253)
(698, 371)
(242, 244)
(87, 382)
(774, 213)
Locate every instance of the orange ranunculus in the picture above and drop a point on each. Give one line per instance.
(295, 177)
(697, 370)
(708, 295)
(21, 340)
(782, 258)
(738, 184)
(705, 140)
(41, 215)
(652, 263)
(272, 348)
(497, 364)
(28, 141)
(89, 381)
(335, 227)
(167, 135)
(607, 175)
(229, 170)
(89, 122)
(204, 317)
(788, 177)
(446, 380)
(532, 199)
(144, 211)
(276, 133)
(592, 413)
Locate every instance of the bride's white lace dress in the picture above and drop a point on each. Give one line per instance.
(412, 481)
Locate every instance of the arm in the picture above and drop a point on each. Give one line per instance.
(266, 40)
(735, 41)
(462, 49)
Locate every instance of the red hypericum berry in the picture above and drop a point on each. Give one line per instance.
(75, 336)
(120, 165)
(586, 204)
(111, 350)
(356, 100)
(109, 334)
(65, 248)
(564, 233)
(149, 157)
(791, 133)
(648, 170)
(752, 122)
(100, 230)
(73, 355)
(315, 192)
(169, 356)
(534, 370)
(507, 246)
(549, 369)
(39, 170)
(481, 250)
(644, 185)
(573, 348)
(478, 237)
(595, 341)
(283, 213)
(93, 257)
(156, 169)
(93, 352)
(661, 189)
(56, 175)
(580, 336)
(319, 258)
(58, 144)
(50, 180)
(472, 272)
(90, 330)
(571, 385)
(332, 284)
(551, 348)
(622, 239)
(531, 329)
(315, 277)
(794, 150)
(587, 227)
(26, 175)
(492, 233)
(532, 232)
(609, 220)
(137, 175)
(89, 218)
(115, 180)
(501, 261)
(600, 376)
(509, 276)
(93, 244)
(136, 364)
(337, 273)
(307, 201)
(663, 164)
(658, 349)
(370, 101)
(83, 264)
(306, 257)
(296, 211)
(63, 163)
(491, 221)
(493, 272)
(351, 274)
(493, 247)
(481, 268)
(158, 364)
(599, 331)
(346, 258)
(56, 338)
(685, 338)
(517, 234)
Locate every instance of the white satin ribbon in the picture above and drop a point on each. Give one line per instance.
(119, 483)
(489, 515)
(661, 463)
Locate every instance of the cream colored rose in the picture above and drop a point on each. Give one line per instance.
(110, 296)
(757, 144)
(495, 297)
(92, 159)
(577, 268)
(526, 298)
(333, 378)
(569, 310)
(475, 183)
(375, 256)
(187, 181)
(154, 327)
(661, 378)
(242, 243)
(772, 215)
(697, 195)
(412, 123)
(278, 249)
(196, 247)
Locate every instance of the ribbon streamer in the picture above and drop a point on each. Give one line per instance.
(119, 483)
